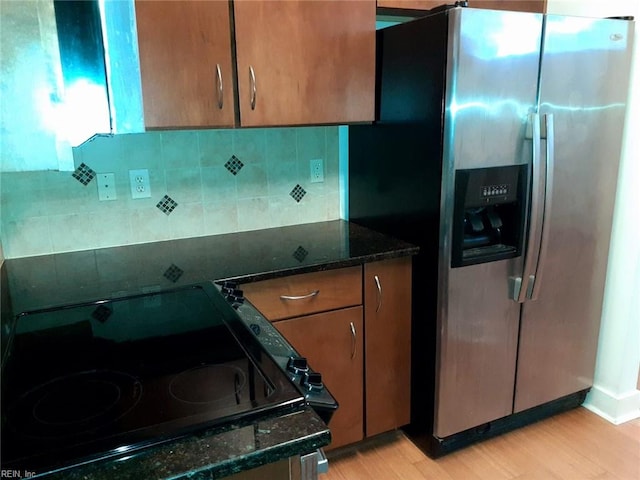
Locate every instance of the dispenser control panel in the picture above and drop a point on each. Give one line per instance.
(488, 214)
(490, 191)
(481, 187)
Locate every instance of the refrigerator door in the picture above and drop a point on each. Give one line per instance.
(492, 82)
(583, 88)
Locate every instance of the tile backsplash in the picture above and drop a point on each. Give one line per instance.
(202, 182)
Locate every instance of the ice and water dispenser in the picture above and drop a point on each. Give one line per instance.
(489, 214)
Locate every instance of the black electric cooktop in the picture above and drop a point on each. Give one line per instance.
(90, 381)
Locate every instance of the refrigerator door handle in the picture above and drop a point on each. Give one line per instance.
(521, 286)
(548, 196)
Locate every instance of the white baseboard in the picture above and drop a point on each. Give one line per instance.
(615, 408)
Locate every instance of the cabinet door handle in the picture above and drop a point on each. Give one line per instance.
(379, 287)
(353, 340)
(220, 91)
(299, 297)
(254, 90)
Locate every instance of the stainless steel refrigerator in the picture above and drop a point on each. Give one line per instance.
(496, 150)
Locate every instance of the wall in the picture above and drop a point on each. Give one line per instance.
(593, 8)
(49, 212)
(1, 236)
(5, 324)
(615, 394)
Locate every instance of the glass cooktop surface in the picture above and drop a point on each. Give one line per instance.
(105, 378)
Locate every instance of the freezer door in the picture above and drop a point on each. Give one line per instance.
(584, 83)
(491, 90)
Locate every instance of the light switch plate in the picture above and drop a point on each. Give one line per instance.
(140, 186)
(106, 186)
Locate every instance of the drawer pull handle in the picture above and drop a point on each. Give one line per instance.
(375, 277)
(299, 297)
(353, 340)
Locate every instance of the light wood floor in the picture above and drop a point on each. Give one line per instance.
(576, 445)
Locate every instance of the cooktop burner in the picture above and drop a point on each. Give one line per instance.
(81, 385)
(74, 404)
(203, 384)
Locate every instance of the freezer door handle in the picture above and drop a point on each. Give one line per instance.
(515, 285)
(522, 286)
(548, 196)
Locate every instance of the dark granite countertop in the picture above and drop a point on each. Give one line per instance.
(60, 279)
(215, 453)
(51, 280)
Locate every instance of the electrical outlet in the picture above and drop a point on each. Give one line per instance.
(317, 170)
(106, 186)
(140, 186)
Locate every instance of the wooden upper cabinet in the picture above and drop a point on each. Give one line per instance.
(305, 62)
(185, 63)
(536, 6)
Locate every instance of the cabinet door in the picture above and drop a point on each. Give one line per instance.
(332, 342)
(185, 63)
(387, 313)
(302, 62)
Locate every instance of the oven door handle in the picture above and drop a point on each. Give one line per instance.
(308, 466)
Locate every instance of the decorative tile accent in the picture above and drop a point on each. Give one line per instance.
(173, 273)
(297, 193)
(83, 174)
(102, 313)
(167, 204)
(234, 165)
(300, 254)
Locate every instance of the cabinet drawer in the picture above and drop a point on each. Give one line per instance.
(298, 295)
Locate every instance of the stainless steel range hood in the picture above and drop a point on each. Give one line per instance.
(122, 63)
(70, 71)
(100, 67)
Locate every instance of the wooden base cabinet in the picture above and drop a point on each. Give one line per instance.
(387, 312)
(333, 344)
(354, 326)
